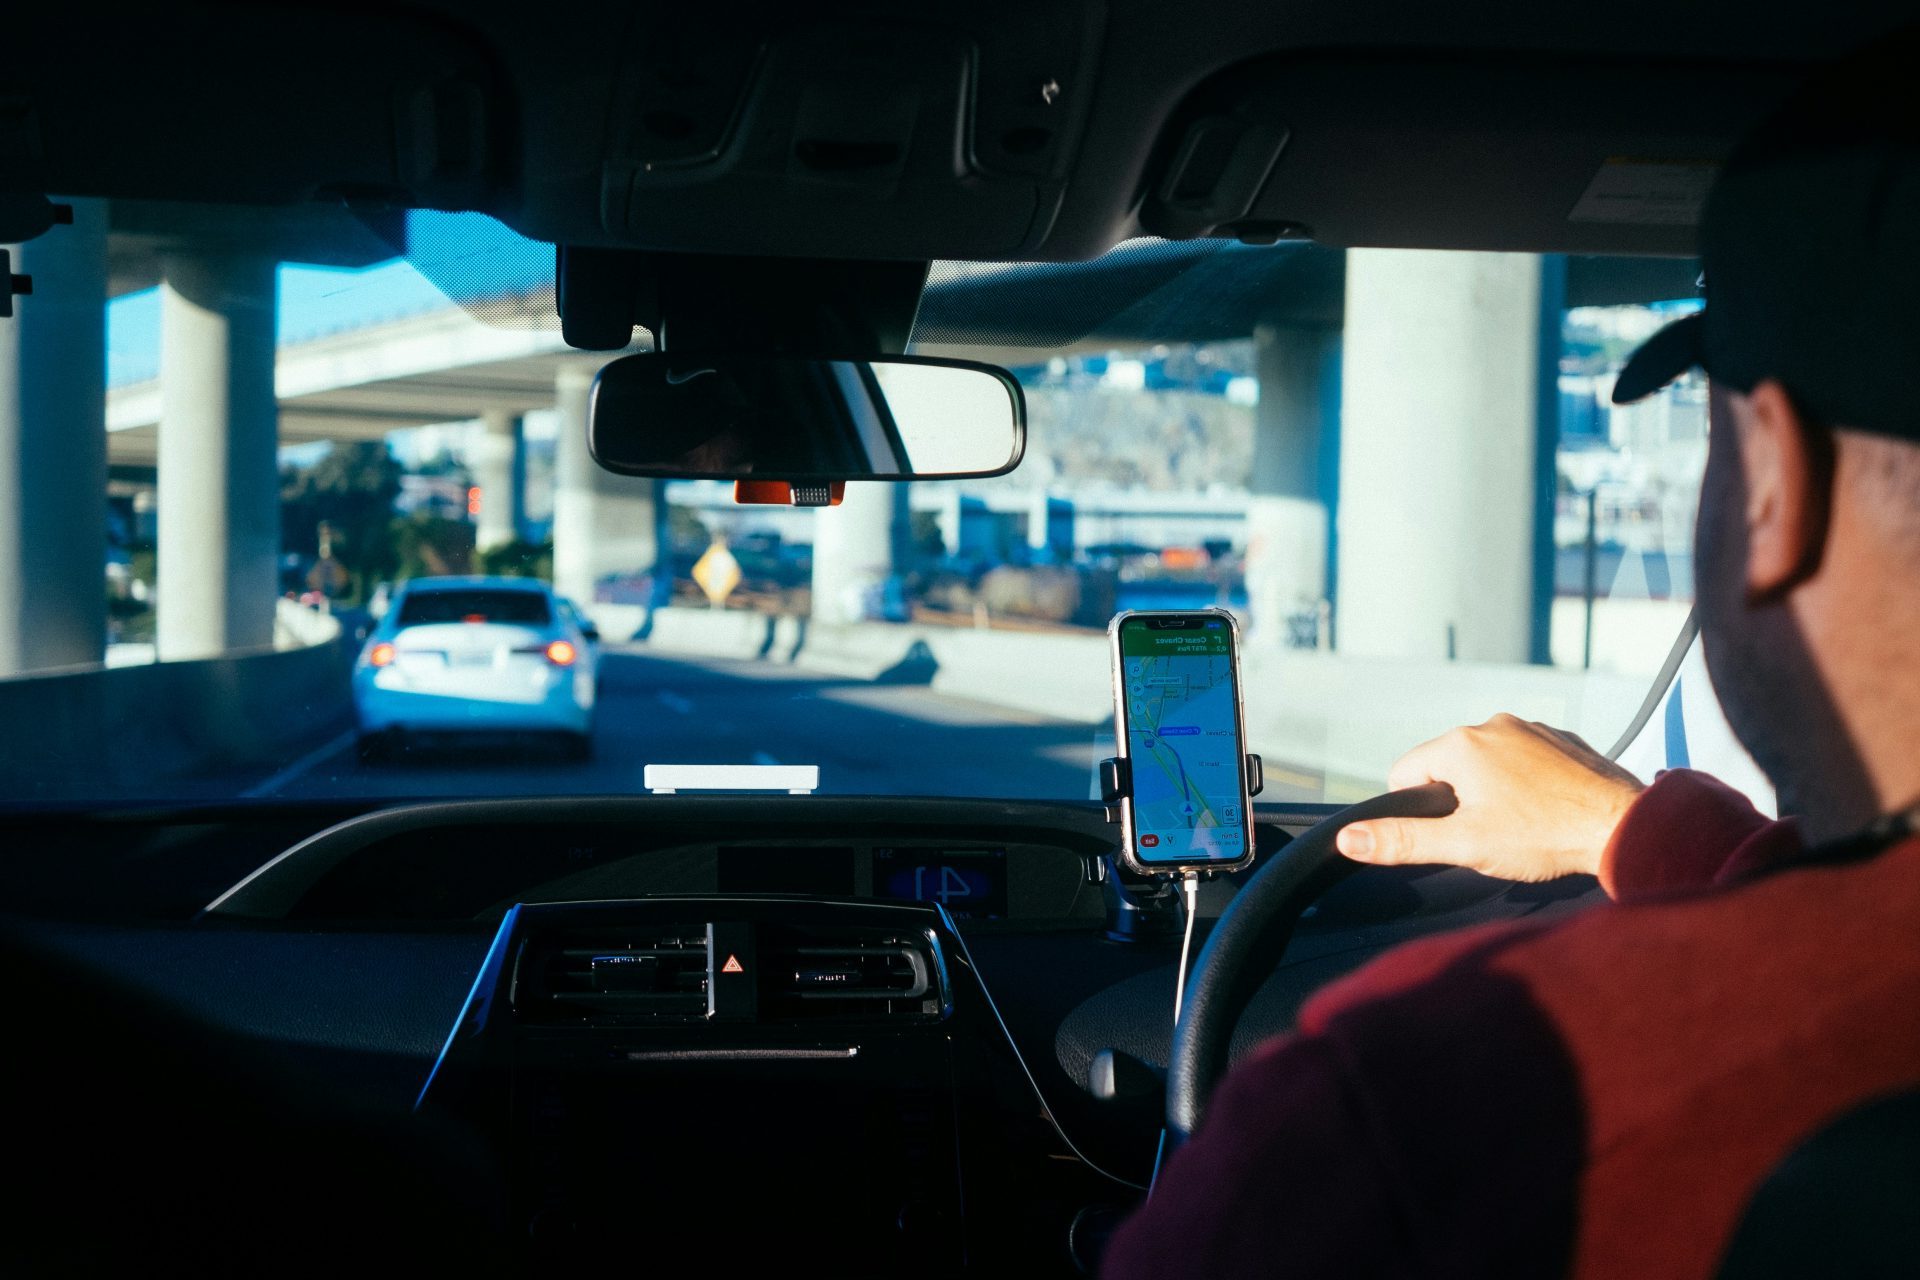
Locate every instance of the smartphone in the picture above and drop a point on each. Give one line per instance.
(1181, 728)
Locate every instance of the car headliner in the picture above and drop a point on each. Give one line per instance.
(1475, 125)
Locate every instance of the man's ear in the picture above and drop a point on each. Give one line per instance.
(1789, 468)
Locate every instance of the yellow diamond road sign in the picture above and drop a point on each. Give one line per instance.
(718, 573)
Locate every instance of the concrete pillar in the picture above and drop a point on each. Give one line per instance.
(1296, 428)
(1447, 415)
(950, 519)
(496, 472)
(53, 451)
(857, 548)
(1039, 507)
(603, 524)
(573, 486)
(1049, 527)
(219, 484)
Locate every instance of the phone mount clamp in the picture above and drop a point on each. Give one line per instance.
(1116, 778)
(1141, 907)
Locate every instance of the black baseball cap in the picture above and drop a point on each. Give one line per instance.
(1810, 244)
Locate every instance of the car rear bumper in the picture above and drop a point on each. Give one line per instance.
(566, 707)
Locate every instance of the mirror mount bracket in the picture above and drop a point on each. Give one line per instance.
(817, 308)
(785, 493)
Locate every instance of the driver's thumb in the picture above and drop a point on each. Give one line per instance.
(1386, 840)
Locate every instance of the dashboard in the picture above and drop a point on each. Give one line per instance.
(837, 1022)
(1010, 864)
(774, 1077)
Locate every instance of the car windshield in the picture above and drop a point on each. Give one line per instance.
(1400, 470)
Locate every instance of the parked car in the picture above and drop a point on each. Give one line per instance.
(475, 656)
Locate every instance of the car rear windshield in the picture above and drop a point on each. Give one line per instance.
(525, 607)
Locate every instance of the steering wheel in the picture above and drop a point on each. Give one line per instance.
(1251, 937)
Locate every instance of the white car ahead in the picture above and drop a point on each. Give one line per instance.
(475, 656)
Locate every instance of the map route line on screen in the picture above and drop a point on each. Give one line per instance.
(1200, 810)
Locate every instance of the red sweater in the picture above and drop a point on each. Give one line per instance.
(1597, 1096)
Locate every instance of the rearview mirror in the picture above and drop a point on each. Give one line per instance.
(736, 417)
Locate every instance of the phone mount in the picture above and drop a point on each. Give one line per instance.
(1142, 907)
(1116, 778)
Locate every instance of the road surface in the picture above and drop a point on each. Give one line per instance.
(867, 738)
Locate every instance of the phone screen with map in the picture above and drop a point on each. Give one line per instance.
(1177, 693)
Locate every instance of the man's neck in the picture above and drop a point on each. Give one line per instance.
(1859, 618)
(1844, 790)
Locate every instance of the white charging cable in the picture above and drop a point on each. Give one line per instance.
(1190, 892)
(1190, 889)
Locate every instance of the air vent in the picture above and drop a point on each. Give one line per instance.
(613, 976)
(850, 975)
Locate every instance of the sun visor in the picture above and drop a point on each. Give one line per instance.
(1530, 154)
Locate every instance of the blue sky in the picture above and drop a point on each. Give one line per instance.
(469, 254)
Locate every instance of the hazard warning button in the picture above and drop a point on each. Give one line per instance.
(732, 992)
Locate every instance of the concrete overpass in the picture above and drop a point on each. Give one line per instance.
(216, 271)
(443, 366)
(1405, 423)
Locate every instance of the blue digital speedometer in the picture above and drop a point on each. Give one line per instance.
(970, 883)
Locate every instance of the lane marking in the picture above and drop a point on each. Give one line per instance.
(279, 780)
(674, 702)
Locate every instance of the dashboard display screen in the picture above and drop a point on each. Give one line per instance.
(971, 883)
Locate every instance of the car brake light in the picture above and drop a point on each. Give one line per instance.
(560, 653)
(380, 655)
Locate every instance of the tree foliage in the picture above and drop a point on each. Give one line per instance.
(518, 559)
(351, 490)
(428, 546)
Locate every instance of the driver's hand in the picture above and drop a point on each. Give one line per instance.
(1535, 804)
